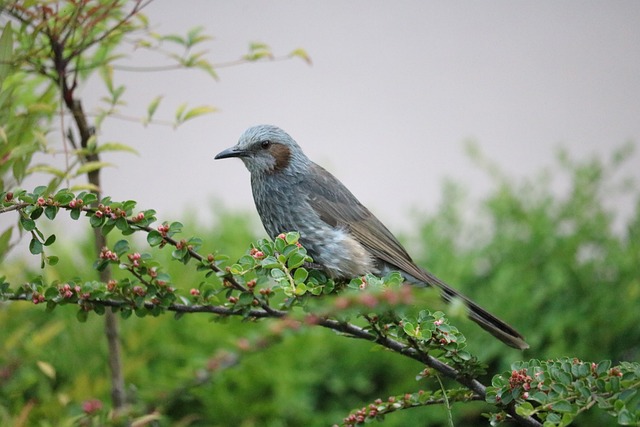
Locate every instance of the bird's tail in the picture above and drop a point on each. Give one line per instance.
(487, 321)
(482, 317)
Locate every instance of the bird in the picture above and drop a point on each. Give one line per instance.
(292, 193)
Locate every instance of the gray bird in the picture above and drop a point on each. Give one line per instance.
(292, 193)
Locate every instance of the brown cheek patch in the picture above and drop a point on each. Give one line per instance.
(281, 154)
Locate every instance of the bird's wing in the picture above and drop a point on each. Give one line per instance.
(338, 207)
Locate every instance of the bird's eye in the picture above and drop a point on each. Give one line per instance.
(265, 144)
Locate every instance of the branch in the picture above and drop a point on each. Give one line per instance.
(346, 328)
(266, 258)
(174, 67)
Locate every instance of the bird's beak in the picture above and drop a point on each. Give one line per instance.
(231, 152)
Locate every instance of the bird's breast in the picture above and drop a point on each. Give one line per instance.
(282, 208)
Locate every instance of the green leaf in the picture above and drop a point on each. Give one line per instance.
(89, 198)
(603, 367)
(27, 223)
(563, 377)
(100, 264)
(579, 370)
(115, 146)
(525, 409)
(627, 394)
(153, 106)
(75, 213)
(35, 246)
(258, 51)
(625, 418)
(37, 212)
(47, 169)
(51, 212)
(292, 237)
(63, 197)
(300, 275)
(180, 112)
(90, 167)
(6, 51)
(107, 227)
(40, 190)
(5, 237)
(106, 72)
(198, 111)
(195, 36)
(301, 289)
(301, 53)
(236, 269)
(269, 262)
(96, 221)
(296, 260)
(85, 186)
(165, 277)
(154, 238)
(51, 292)
(615, 384)
(121, 247)
(175, 227)
(540, 397)
(174, 38)
(82, 315)
(195, 243)
(52, 260)
(122, 224)
(179, 253)
(409, 329)
(276, 273)
(491, 396)
(280, 244)
(563, 406)
(245, 299)
(50, 240)
(116, 94)
(129, 205)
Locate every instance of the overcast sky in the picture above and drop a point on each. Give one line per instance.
(394, 90)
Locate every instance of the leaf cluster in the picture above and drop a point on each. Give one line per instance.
(273, 279)
(556, 391)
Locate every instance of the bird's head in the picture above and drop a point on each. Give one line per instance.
(267, 149)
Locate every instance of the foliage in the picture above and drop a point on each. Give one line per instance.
(566, 254)
(55, 48)
(25, 112)
(272, 280)
(556, 391)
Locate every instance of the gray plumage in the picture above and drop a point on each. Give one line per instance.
(292, 193)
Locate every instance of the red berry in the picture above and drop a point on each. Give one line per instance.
(91, 406)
